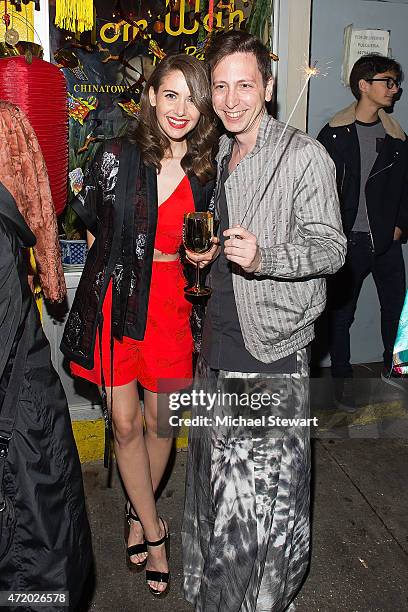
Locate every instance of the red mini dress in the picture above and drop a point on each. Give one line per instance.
(165, 353)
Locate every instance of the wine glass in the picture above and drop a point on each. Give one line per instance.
(197, 233)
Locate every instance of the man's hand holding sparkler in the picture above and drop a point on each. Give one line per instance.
(242, 248)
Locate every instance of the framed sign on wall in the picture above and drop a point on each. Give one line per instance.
(358, 42)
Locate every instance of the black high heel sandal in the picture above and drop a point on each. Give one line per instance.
(136, 549)
(160, 576)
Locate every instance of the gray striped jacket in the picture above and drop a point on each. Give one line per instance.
(294, 212)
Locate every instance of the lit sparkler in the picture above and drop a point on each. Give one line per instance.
(309, 72)
(313, 70)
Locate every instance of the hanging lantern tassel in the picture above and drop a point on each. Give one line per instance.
(74, 15)
(210, 15)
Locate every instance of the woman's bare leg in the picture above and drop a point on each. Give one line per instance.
(158, 449)
(130, 451)
(134, 466)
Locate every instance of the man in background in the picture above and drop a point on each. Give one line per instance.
(370, 152)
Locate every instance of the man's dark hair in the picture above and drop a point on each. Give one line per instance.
(238, 41)
(368, 66)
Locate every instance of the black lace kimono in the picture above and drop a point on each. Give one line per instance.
(118, 204)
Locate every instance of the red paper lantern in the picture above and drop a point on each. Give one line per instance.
(39, 89)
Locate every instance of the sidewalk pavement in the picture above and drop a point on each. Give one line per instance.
(359, 560)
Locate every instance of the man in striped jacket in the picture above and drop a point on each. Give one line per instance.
(246, 527)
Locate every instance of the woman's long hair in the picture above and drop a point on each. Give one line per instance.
(202, 141)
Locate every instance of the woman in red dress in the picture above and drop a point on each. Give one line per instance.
(130, 319)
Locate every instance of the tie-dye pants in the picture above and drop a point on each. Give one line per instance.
(246, 519)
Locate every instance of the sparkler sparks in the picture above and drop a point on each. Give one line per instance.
(310, 71)
(313, 70)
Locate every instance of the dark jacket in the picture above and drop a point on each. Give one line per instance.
(51, 548)
(118, 204)
(387, 186)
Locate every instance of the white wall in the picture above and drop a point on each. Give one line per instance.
(293, 51)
